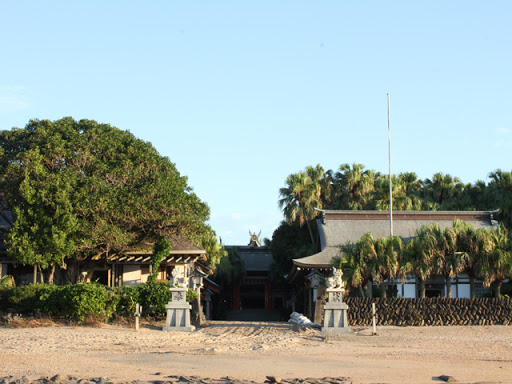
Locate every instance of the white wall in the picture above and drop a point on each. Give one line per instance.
(409, 291)
(144, 277)
(131, 275)
(464, 291)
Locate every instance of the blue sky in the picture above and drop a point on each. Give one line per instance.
(239, 94)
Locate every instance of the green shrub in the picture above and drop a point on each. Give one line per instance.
(192, 295)
(86, 300)
(80, 300)
(25, 299)
(6, 282)
(128, 297)
(154, 297)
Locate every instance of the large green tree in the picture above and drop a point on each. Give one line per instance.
(80, 188)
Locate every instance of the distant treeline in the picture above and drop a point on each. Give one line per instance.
(355, 188)
(352, 187)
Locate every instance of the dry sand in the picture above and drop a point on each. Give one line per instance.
(253, 350)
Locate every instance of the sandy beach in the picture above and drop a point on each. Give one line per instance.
(251, 351)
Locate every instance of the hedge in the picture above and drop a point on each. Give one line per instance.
(77, 301)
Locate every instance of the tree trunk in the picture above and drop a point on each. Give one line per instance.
(369, 288)
(422, 288)
(497, 289)
(361, 291)
(472, 287)
(72, 273)
(34, 278)
(448, 287)
(51, 274)
(311, 235)
(41, 275)
(384, 288)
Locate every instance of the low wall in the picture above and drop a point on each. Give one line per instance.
(429, 311)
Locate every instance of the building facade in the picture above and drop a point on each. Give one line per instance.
(338, 228)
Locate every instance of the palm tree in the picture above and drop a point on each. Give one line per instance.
(500, 195)
(469, 244)
(496, 263)
(388, 251)
(215, 251)
(419, 254)
(353, 186)
(357, 262)
(447, 260)
(441, 188)
(404, 199)
(302, 196)
(321, 182)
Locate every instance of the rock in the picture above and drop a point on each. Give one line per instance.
(447, 379)
(274, 379)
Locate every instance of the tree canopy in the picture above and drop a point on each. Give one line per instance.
(80, 188)
(353, 187)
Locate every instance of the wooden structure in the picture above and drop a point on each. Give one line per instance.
(255, 292)
(341, 227)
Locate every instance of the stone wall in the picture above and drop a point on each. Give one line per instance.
(430, 311)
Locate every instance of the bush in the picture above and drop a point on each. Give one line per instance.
(81, 300)
(86, 301)
(154, 297)
(25, 299)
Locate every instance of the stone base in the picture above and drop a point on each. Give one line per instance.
(336, 331)
(178, 313)
(179, 329)
(335, 318)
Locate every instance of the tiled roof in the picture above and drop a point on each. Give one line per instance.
(342, 227)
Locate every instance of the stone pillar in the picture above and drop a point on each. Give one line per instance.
(335, 313)
(314, 279)
(335, 310)
(208, 300)
(178, 312)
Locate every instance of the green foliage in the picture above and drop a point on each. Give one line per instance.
(230, 269)
(161, 250)
(154, 297)
(80, 301)
(192, 295)
(81, 188)
(485, 254)
(304, 194)
(289, 241)
(25, 299)
(353, 187)
(214, 250)
(6, 281)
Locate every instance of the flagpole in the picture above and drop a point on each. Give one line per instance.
(390, 177)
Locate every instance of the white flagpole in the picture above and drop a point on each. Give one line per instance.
(390, 176)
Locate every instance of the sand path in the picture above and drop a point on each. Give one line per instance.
(253, 350)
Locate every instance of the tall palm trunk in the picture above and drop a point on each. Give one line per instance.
(472, 286)
(384, 288)
(497, 289)
(311, 235)
(422, 288)
(448, 287)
